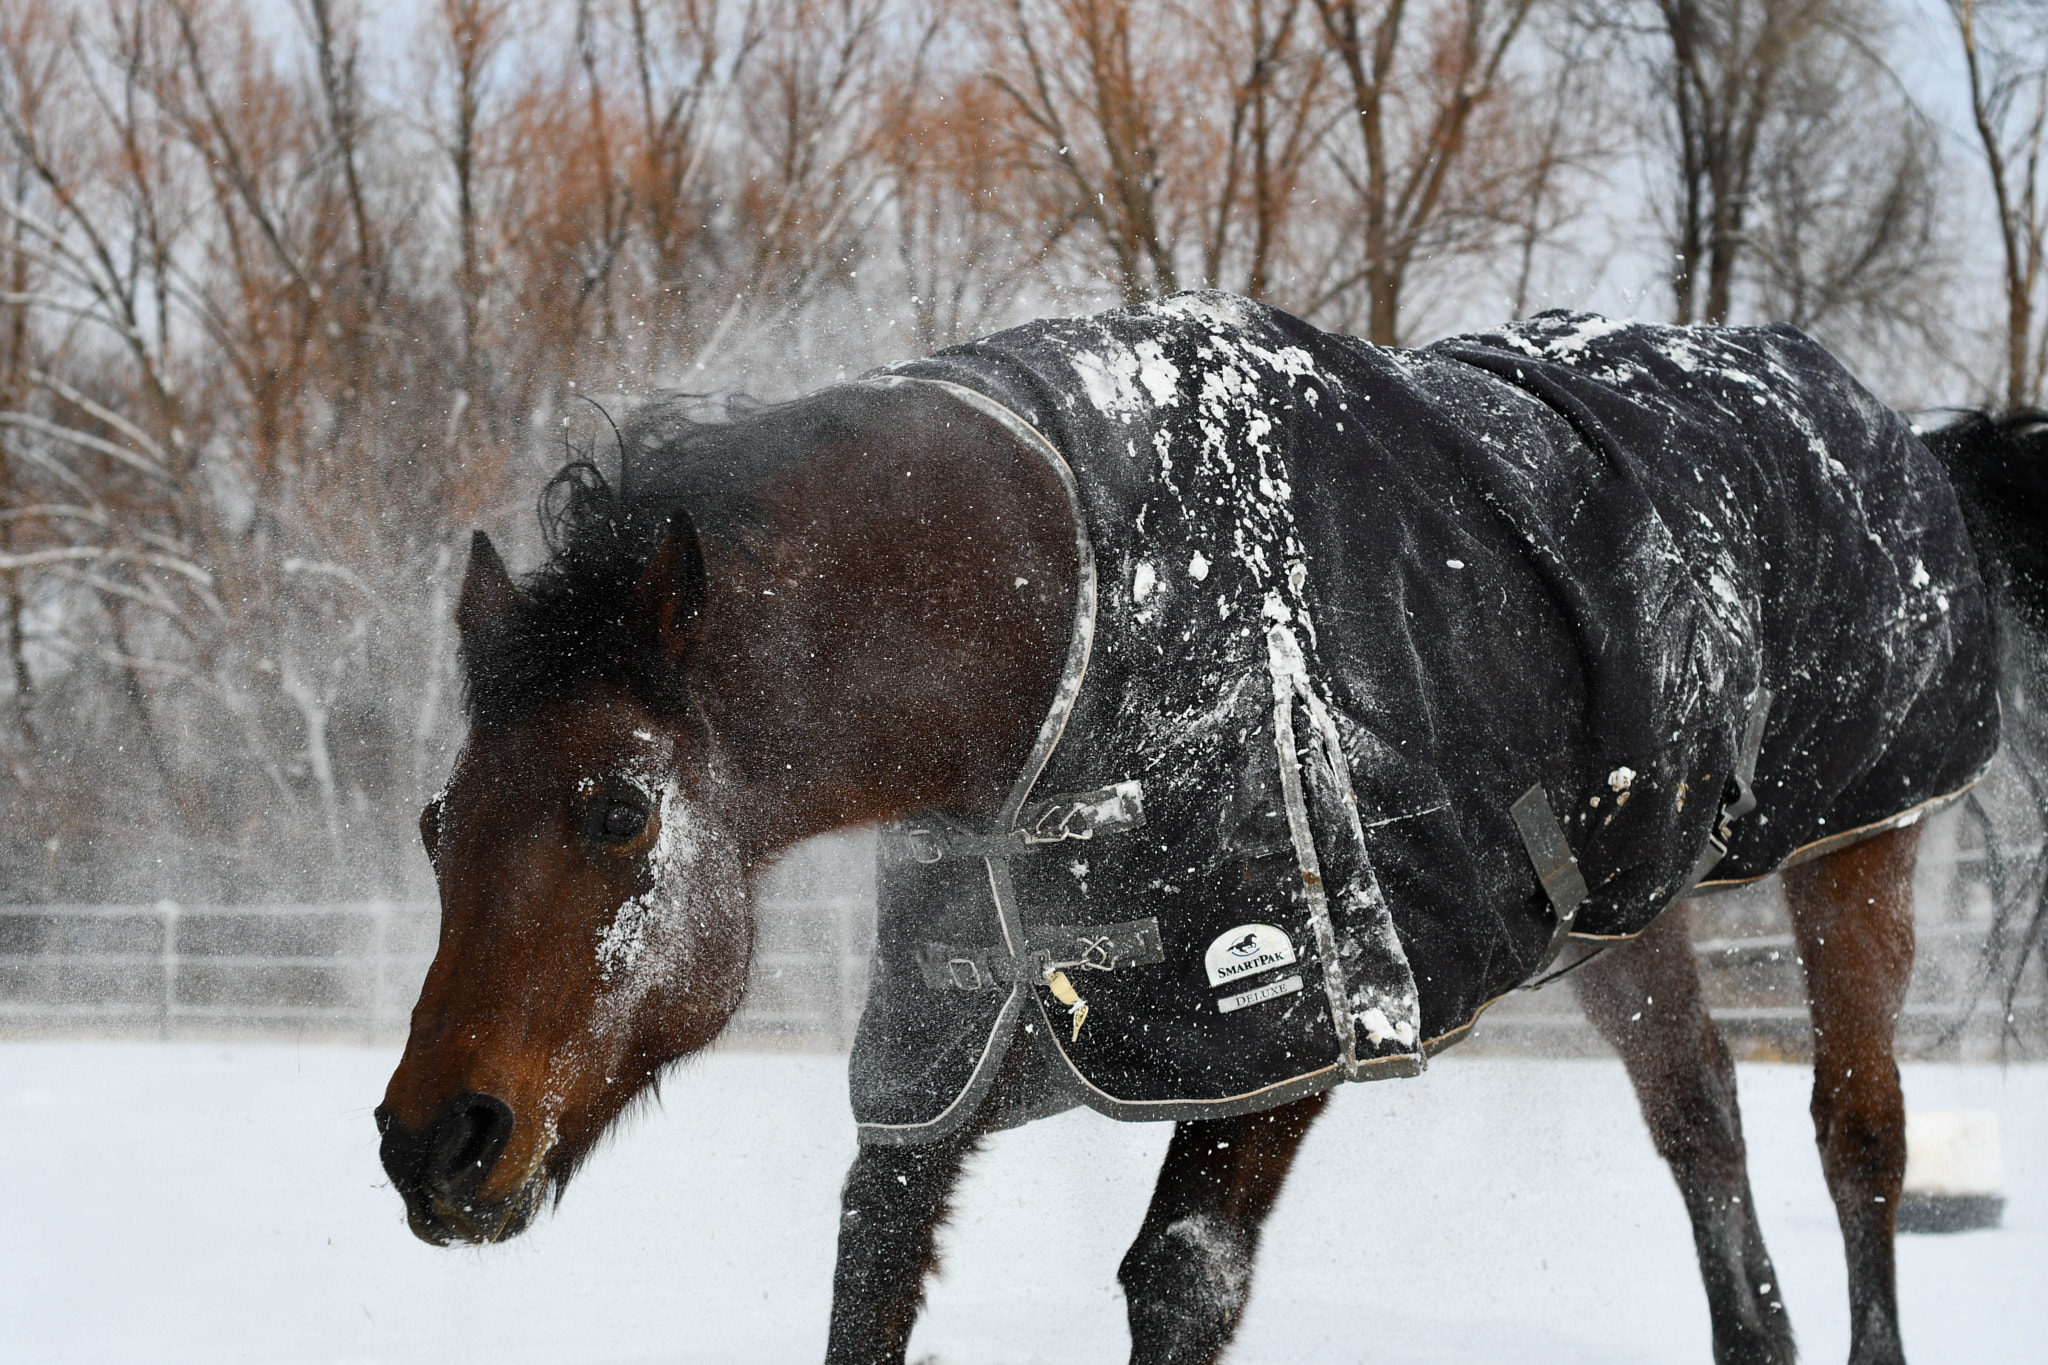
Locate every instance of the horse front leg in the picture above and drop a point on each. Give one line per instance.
(1852, 916)
(1644, 997)
(1187, 1277)
(891, 1208)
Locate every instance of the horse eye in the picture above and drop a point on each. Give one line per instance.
(616, 822)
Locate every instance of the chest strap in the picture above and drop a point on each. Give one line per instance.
(1083, 815)
(1056, 947)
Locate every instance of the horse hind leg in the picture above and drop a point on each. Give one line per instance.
(1187, 1277)
(1644, 998)
(1852, 916)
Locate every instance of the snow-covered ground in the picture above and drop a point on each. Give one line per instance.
(174, 1203)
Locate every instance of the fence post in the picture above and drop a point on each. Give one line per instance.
(380, 947)
(853, 963)
(167, 910)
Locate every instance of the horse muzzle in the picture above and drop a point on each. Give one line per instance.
(441, 1170)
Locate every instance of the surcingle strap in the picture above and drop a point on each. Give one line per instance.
(1741, 798)
(1556, 869)
(1389, 1007)
(1107, 810)
(1056, 947)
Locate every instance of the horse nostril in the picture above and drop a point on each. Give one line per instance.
(382, 1113)
(466, 1142)
(449, 1157)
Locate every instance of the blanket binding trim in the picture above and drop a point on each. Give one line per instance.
(1290, 681)
(1283, 656)
(1819, 848)
(1080, 643)
(1806, 853)
(1082, 640)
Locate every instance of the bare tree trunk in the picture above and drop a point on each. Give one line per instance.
(2016, 189)
(145, 717)
(474, 31)
(1096, 119)
(335, 60)
(17, 658)
(13, 390)
(1405, 196)
(313, 715)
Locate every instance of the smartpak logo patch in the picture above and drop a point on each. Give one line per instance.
(1246, 951)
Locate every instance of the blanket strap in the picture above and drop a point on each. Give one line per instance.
(1389, 1007)
(1741, 798)
(1083, 815)
(1556, 869)
(1056, 947)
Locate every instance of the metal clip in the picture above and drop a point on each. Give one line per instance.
(1083, 816)
(925, 844)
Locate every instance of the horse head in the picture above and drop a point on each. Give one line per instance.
(873, 625)
(594, 914)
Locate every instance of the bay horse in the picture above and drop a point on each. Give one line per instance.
(852, 609)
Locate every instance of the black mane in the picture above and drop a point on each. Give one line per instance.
(571, 628)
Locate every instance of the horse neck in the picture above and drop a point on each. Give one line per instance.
(891, 641)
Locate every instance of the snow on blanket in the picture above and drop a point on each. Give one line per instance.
(1351, 604)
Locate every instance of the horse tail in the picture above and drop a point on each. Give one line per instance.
(1999, 466)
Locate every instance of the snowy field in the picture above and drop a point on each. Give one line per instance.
(189, 1203)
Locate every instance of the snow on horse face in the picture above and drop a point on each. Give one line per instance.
(866, 630)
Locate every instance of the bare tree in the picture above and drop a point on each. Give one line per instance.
(470, 35)
(1278, 114)
(1801, 180)
(1159, 146)
(1719, 83)
(1564, 129)
(962, 251)
(1846, 237)
(187, 354)
(2005, 49)
(1420, 78)
(808, 181)
(1094, 116)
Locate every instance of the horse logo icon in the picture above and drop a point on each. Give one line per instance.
(1245, 951)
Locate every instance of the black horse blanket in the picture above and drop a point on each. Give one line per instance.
(1395, 668)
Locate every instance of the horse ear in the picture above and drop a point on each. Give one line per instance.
(488, 593)
(669, 598)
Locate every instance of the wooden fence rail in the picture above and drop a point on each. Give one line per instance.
(352, 971)
(170, 970)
